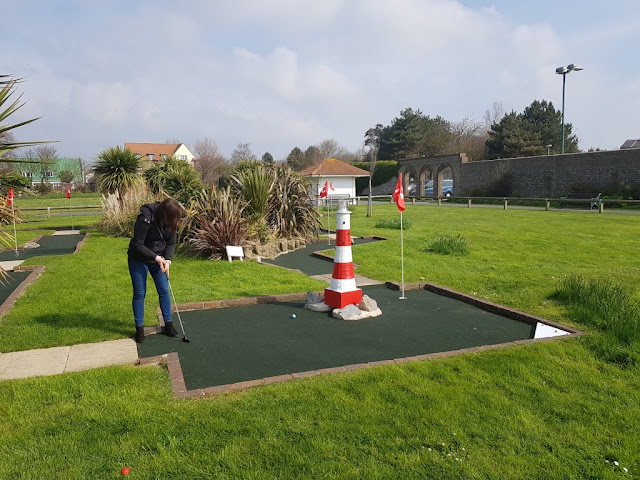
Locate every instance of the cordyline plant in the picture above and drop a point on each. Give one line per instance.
(174, 177)
(118, 169)
(214, 221)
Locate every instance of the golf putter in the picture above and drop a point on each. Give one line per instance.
(184, 336)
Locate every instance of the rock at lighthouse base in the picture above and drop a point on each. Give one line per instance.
(352, 312)
(315, 303)
(368, 304)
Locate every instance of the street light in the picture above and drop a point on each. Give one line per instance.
(563, 71)
(549, 148)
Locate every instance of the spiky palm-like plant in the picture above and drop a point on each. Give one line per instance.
(7, 108)
(291, 211)
(118, 169)
(214, 221)
(255, 181)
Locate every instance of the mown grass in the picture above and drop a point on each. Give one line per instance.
(547, 411)
(553, 410)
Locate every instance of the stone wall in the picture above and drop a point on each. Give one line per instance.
(543, 176)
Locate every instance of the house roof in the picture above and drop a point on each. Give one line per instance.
(630, 144)
(332, 167)
(157, 149)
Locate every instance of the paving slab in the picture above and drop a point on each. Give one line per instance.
(9, 265)
(93, 355)
(33, 363)
(67, 232)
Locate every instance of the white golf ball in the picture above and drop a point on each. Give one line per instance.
(293, 315)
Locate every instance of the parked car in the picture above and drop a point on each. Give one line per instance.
(447, 188)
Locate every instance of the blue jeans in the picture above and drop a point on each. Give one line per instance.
(138, 272)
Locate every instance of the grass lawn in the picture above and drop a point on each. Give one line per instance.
(550, 411)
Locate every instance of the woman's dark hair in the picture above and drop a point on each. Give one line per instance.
(168, 214)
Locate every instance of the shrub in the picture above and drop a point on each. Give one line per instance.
(15, 181)
(393, 223)
(176, 178)
(42, 188)
(449, 245)
(120, 214)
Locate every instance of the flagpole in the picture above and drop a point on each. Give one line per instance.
(402, 256)
(71, 211)
(15, 234)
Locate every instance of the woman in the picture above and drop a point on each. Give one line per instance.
(150, 251)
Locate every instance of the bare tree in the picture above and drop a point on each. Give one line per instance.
(243, 153)
(493, 115)
(468, 136)
(372, 140)
(209, 160)
(330, 148)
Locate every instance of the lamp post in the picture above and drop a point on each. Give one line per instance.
(563, 71)
(549, 149)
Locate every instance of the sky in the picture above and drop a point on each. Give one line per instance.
(284, 73)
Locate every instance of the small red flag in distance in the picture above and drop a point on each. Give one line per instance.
(332, 189)
(398, 194)
(325, 189)
(68, 194)
(10, 197)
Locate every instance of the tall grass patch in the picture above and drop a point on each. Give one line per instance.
(449, 245)
(606, 306)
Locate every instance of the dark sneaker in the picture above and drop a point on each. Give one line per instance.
(169, 331)
(140, 334)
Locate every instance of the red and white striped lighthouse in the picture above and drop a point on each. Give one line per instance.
(343, 290)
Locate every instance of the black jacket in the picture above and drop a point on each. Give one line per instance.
(149, 239)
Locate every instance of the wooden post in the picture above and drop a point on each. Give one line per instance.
(505, 203)
(548, 204)
(439, 202)
(469, 202)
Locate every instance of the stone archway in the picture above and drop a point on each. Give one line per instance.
(440, 168)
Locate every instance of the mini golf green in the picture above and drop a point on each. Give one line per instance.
(49, 245)
(303, 260)
(236, 344)
(12, 282)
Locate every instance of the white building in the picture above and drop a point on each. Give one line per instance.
(339, 175)
(159, 152)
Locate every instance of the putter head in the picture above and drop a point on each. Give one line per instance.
(185, 339)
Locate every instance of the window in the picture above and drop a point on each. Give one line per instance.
(183, 157)
(164, 156)
(47, 173)
(150, 156)
(27, 174)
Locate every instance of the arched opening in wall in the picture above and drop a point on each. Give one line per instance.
(411, 183)
(426, 182)
(445, 181)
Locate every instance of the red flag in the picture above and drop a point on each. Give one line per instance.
(68, 194)
(10, 197)
(325, 189)
(332, 189)
(398, 194)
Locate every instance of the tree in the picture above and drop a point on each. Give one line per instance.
(209, 160)
(242, 153)
(414, 135)
(67, 176)
(118, 169)
(330, 148)
(372, 140)
(530, 133)
(296, 159)
(46, 155)
(267, 158)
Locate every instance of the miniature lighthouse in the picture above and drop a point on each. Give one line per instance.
(343, 290)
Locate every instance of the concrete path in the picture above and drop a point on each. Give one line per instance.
(52, 361)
